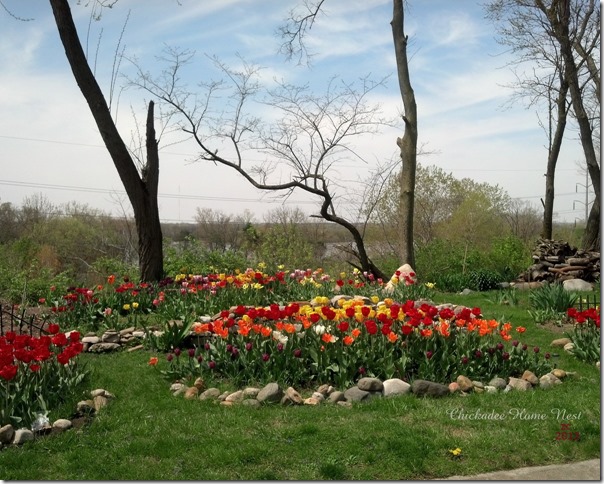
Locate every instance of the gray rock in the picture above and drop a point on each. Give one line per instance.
(548, 380)
(344, 404)
(355, 394)
(103, 347)
(312, 401)
(7, 433)
(135, 348)
(520, 384)
(127, 331)
(22, 436)
(222, 397)
(336, 396)
(235, 396)
(478, 385)
(177, 388)
(490, 389)
(91, 339)
(396, 386)
(271, 393)
(465, 292)
(318, 395)
(425, 388)
(577, 285)
(62, 424)
(251, 392)
(251, 402)
(498, 383)
(191, 393)
(559, 373)
(370, 384)
(210, 393)
(111, 337)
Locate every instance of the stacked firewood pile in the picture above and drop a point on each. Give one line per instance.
(555, 260)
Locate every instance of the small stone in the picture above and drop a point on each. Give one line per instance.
(222, 396)
(251, 402)
(210, 393)
(91, 339)
(177, 388)
(318, 395)
(490, 389)
(498, 383)
(344, 404)
(227, 404)
(98, 392)
(425, 388)
(291, 397)
(235, 397)
(312, 401)
(191, 393)
(370, 384)
(22, 435)
(395, 386)
(454, 387)
(251, 392)
(135, 348)
(558, 373)
(62, 424)
(598, 365)
(477, 384)
(103, 347)
(111, 337)
(7, 432)
(478, 390)
(127, 331)
(85, 407)
(561, 342)
(325, 390)
(465, 384)
(199, 383)
(355, 394)
(520, 384)
(569, 347)
(271, 393)
(336, 396)
(99, 402)
(138, 334)
(530, 377)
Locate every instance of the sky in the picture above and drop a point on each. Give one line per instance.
(49, 144)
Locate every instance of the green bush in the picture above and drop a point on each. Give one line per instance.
(191, 257)
(509, 256)
(484, 280)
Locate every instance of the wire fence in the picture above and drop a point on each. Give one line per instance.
(13, 320)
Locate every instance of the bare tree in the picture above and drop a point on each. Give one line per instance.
(560, 37)
(313, 133)
(408, 143)
(140, 188)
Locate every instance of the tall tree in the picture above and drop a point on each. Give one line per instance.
(408, 143)
(141, 188)
(560, 37)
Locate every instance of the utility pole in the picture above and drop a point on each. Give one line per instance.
(586, 186)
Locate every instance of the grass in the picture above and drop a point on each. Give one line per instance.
(146, 434)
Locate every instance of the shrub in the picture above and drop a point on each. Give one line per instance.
(484, 280)
(552, 297)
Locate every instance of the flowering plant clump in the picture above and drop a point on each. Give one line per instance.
(585, 334)
(319, 343)
(37, 373)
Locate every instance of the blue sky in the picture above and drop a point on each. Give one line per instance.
(49, 143)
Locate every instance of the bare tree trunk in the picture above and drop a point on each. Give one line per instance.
(408, 144)
(552, 158)
(141, 192)
(559, 16)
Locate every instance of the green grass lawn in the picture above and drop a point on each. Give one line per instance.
(147, 434)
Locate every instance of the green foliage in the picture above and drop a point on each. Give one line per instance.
(509, 256)
(552, 297)
(506, 297)
(585, 334)
(191, 257)
(484, 280)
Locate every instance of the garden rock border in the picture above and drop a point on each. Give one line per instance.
(85, 411)
(365, 390)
